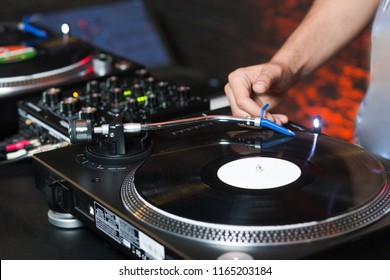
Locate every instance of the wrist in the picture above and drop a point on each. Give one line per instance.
(291, 63)
(288, 75)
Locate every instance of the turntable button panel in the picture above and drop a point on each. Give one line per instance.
(139, 244)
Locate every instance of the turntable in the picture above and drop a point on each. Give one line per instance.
(32, 59)
(210, 187)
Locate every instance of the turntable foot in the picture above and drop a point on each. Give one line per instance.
(63, 220)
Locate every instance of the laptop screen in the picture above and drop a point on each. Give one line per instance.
(123, 28)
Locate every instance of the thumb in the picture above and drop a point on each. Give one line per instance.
(265, 80)
(261, 86)
(271, 76)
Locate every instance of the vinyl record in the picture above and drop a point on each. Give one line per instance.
(309, 187)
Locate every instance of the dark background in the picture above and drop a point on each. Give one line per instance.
(215, 37)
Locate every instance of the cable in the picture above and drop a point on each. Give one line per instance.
(21, 144)
(26, 153)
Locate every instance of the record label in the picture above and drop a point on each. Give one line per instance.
(16, 53)
(258, 173)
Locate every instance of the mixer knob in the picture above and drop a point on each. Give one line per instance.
(127, 92)
(152, 101)
(92, 86)
(131, 109)
(149, 84)
(88, 113)
(142, 73)
(138, 90)
(95, 99)
(142, 101)
(130, 114)
(69, 106)
(112, 82)
(131, 104)
(115, 98)
(162, 90)
(182, 92)
(50, 97)
(115, 95)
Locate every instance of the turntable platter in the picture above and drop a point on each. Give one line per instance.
(339, 188)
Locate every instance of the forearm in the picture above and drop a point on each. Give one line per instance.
(328, 26)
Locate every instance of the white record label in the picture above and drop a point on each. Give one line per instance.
(259, 173)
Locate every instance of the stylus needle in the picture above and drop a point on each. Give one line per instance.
(274, 126)
(26, 26)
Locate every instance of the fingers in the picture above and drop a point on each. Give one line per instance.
(277, 118)
(234, 108)
(238, 91)
(236, 111)
(252, 87)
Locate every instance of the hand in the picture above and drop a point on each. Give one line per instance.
(250, 88)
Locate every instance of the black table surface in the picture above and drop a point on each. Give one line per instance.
(25, 232)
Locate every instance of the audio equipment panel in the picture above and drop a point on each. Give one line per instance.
(33, 59)
(135, 97)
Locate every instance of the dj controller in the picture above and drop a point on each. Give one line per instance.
(150, 169)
